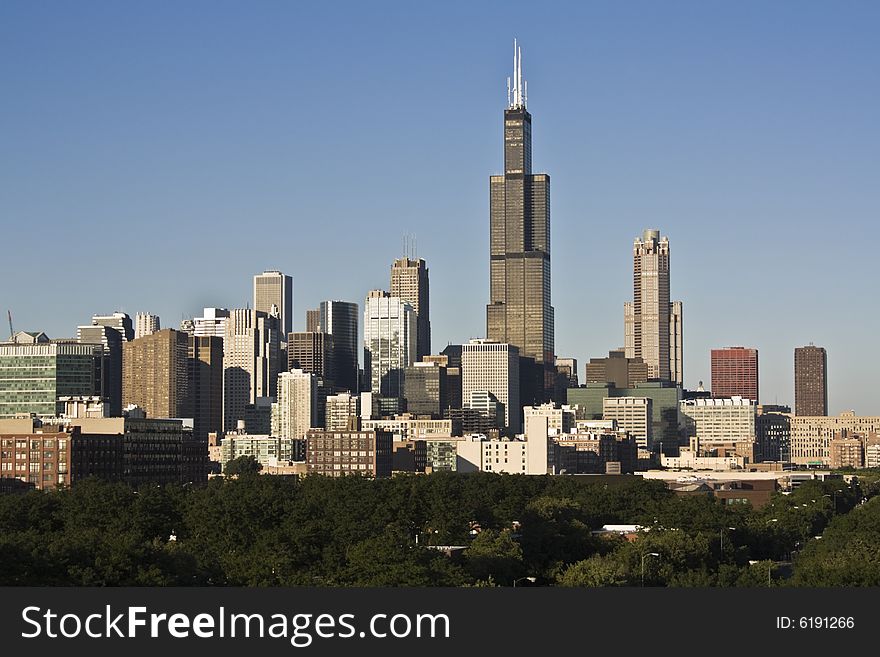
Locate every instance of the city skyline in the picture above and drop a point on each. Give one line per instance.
(587, 318)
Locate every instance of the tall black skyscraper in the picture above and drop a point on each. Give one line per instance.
(519, 311)
(340, 319)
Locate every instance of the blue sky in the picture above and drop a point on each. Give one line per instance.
(157, 155)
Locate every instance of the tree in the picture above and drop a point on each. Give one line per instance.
(242, 466)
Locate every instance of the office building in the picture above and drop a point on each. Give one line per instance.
(338, 453)
(424, 387)
(35, 371)
(251, 362)
(735, 373)
(846, 453)
(493, 367)
(389, 342)
(653, 323)
(311, 352)
(145, 324)
(719, 420)
(313, 320)
(119, 321)
(409, 281)
(633, 415)
(623, 372)
(525, 454)
(296, 410)
(810, 381)
(405, 427)
(273, 294)
(155, 374)
(773, 431)
(519, 312)
(811, 436)
(340, 319)
(212, 323)
(108, 370)
(567, 368)
(268, 451)
(205, 362)
(560, 419)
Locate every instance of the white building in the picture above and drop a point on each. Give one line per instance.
(493, 367)
(525, 454)
(405, 427)
(389, 342)
(339, 409)
(145, 324)
(267, 450)
(559, 419)
(296, 410)
(632, 414)
(729, 419)
(212, 323)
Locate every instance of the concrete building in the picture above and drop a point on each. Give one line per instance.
(268, 451)
(720, 420)
(633, 415)
(493, 367)
(311, 352)
(735, 373)
(145, 324)
(389, 342)
(593, 452)
(810, 381)
(108, 372)
(424, 388)
(251, 362)
(313, 321)
(205, 363)
(811, 436)
(274, 290)
(846, 453)
(155, 374)
(519, 312)
(36, 371)
(409, 281)
(296, 410)
(560, 419)
(338, 453)
(118, 321)
(623, 372)
(406, 427)
(653, 323)
(340, 410)
(212, 323)
(567, 368)
(525, 454)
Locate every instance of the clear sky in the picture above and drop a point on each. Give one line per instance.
(157, 155)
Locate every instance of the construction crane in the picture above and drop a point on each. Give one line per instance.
(11, 332)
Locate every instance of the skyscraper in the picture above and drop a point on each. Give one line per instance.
(340, 319)
(145, 324)
(109, 370)
(389, 342)
(519, 311)
(735, 373)
(493, 367)
(311, 352)
(155, 374)
(296, 410)
(206, 384)
(250, 362)
(212, 323)
(119, 321)
(313, 320)
(652, 323)
(810, 381)
(409, 281)
(272, 288)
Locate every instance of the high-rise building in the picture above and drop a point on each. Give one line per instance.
(623, 372)
(338, 453)
(773, 431)
(389, 342)
(296, 410)
(274, 289)
(313, 320)
(145, 324)
(735, 372)
(424, 387)
(311, 352)
(340, 319)
(109, 368)
(717, 420)
(632, 414)
(519, 311)
(652, 323)
(341, 409)
(409, 281)
(206, 384)
(810, 381)
(155, 374)
(119, 321)
(568, 369)
(493, 367)
(811, 436)
(211, 323)
(35, 371)
(251, 362)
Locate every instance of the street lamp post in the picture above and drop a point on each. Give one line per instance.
(733, 529)
(647, 554)
(522, 579)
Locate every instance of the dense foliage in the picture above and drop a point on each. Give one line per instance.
(284, 531)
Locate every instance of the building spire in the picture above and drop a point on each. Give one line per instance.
(516, 95)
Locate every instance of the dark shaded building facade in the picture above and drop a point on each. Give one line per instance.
(616, 368)
(339, 453)
(311, 351)
(340, 319)
(206, 384)
(810, 381)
